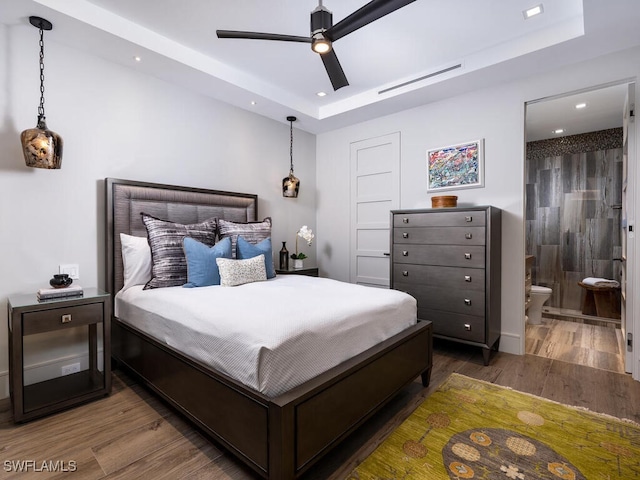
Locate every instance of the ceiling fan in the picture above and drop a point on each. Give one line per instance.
(324, 33)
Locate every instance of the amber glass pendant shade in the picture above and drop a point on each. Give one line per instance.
(290, 186)
(42, 148)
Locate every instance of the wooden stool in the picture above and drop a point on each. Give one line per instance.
(601, 301)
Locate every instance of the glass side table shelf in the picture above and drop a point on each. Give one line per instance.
(36, 327)
(308, 271)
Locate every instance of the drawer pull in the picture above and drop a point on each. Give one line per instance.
(468, 219)
(467, 327)
(405, 235)
(405, 253)
(405, 220)
(467, 278)
(405, 273)
(66, 318)
(467, 256)
(468, 236)
(467, 301)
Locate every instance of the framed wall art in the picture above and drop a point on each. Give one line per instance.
(456, 166)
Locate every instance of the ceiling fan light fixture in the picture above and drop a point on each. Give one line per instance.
(320, 44)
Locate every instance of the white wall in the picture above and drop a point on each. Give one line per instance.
(118, 123)
(495, 114)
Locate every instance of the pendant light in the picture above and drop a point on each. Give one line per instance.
(290, 184)
(41, 147)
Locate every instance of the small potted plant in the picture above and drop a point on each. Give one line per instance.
(306, 234)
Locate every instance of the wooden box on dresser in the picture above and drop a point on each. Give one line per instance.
(449, 259)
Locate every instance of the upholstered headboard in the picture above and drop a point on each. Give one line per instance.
(126, 199)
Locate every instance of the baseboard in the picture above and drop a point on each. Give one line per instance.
(511, 343)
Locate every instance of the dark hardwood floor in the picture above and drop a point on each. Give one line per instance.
(131, 434)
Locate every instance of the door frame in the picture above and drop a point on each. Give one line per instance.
(633, 260)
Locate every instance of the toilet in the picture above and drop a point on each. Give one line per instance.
(539, 295)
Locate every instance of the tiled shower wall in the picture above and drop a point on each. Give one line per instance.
(573, 210)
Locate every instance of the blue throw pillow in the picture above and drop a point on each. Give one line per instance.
(202, 269)
(246, 250)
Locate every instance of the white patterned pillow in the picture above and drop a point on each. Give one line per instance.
(238, 272)
(252, 232)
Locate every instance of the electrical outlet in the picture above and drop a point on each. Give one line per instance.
(69, 369)
(72, 269)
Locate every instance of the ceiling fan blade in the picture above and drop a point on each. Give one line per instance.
(334, 69)
(261, 36)
(371, 12)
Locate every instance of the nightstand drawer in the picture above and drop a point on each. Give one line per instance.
(59, 318)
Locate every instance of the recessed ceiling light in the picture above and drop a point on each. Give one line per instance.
(533, 11)
(253, 102)
(581, 105)
(137, 58)
(321, 94)
(558, 131)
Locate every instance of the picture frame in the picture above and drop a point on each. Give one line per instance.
(456, 166)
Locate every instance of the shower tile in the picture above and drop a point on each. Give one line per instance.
(591, 164)
(530, 212)
(544, 188)
(550, 225)
(572, 293)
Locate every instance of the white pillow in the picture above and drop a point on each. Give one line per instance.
(136, 258)
(238, 272)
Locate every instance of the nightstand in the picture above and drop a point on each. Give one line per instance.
(88, 320)
(308, 271)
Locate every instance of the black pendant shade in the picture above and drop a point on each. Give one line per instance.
(290, 184)
(42, 148)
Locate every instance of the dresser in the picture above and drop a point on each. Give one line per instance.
(449, 260)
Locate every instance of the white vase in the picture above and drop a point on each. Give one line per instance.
(298, 264)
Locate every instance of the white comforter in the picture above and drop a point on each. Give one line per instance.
(272, 335)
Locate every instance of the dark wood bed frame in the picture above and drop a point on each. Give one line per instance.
(280, 437)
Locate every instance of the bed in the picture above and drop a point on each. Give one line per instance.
(279, 435)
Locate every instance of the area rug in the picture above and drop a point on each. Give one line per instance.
(473, 429)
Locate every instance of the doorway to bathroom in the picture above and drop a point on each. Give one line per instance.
(574, 189)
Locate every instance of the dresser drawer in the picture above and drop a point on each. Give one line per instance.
(47, 320)
(455, 325)
(440, 219)
(468, 302)
(446, 255)
(440, 235)
(456, 278)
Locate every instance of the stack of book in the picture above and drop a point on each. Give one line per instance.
(58, 293)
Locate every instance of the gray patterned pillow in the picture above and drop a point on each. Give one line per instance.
(239, 272)
(169, 265)
(252, 232)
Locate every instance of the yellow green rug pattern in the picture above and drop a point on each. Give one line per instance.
(473, 429)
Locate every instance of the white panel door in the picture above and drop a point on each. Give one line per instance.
(375, 191)
(629, 322)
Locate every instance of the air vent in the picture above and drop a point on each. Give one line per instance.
(419, 79)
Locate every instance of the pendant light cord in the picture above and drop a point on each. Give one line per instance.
(291, 146)
(41, 106)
